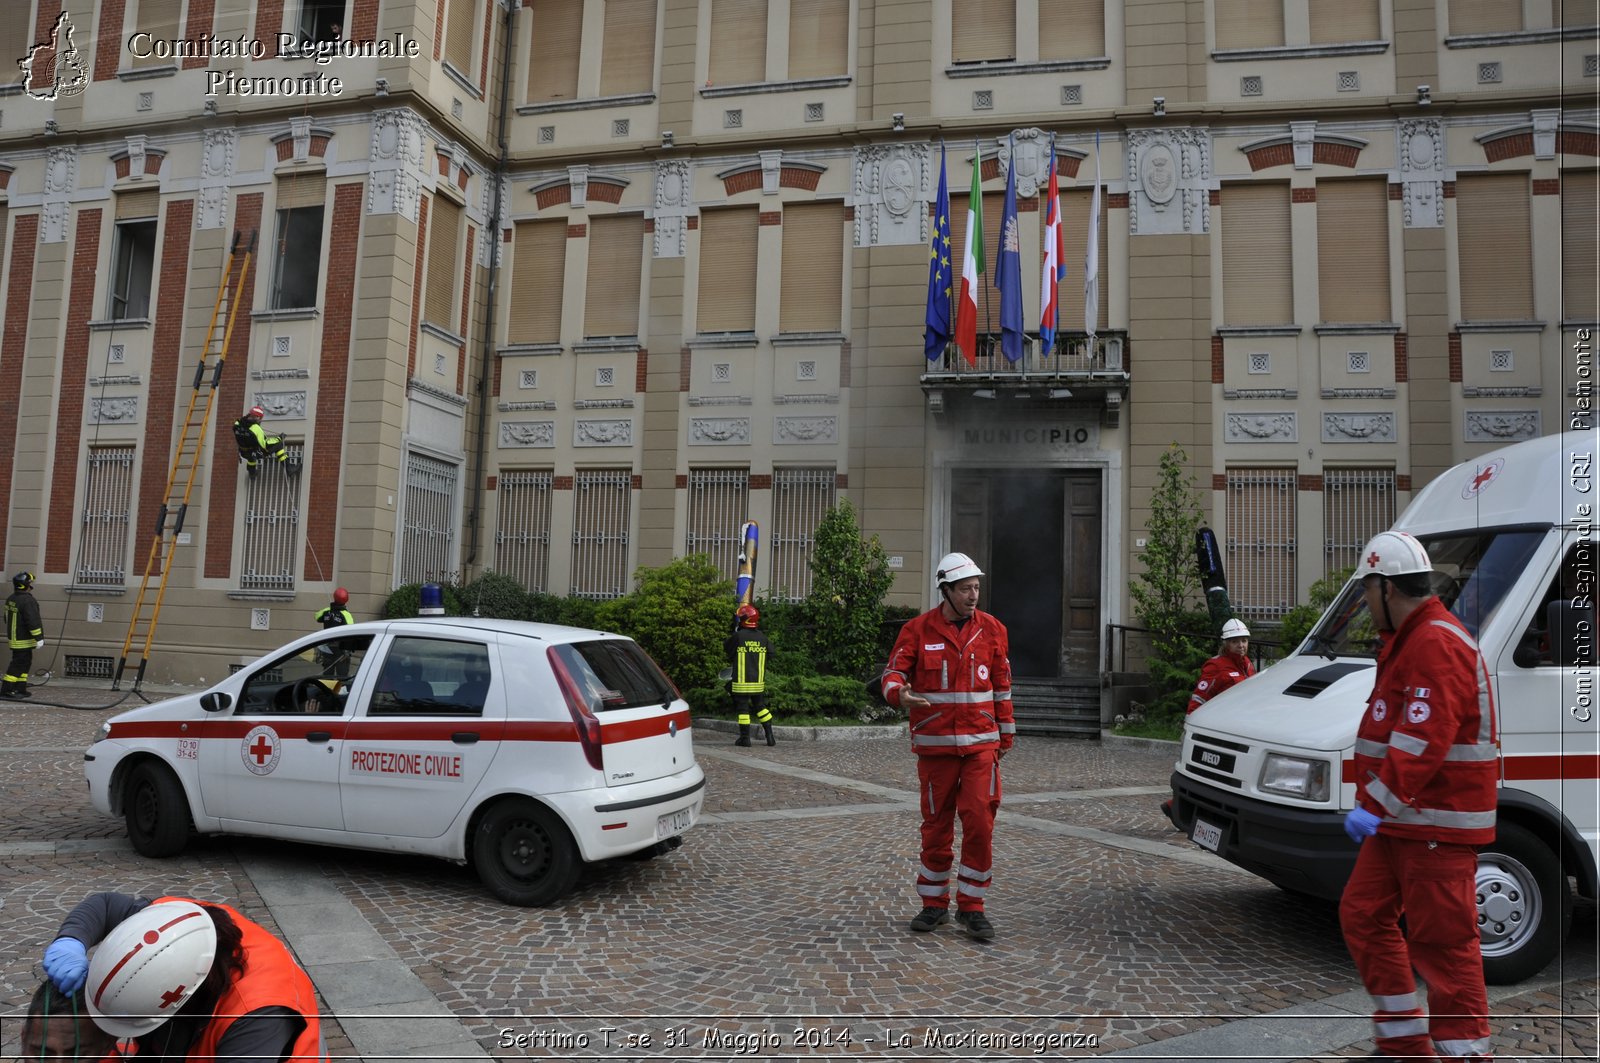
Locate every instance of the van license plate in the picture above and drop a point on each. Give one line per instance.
(674, 822)
(1206, 835)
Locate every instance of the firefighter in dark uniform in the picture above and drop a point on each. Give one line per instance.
(334, 614)
(255, 444)
(24, 630)
(747, 649)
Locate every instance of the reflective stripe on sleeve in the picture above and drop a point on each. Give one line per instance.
(1408, 744)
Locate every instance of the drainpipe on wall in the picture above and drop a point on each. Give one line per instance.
(492, 289)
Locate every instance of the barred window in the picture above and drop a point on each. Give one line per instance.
(522, 531)
(1260, 550)
(801, 497)
(428, 531)
(271, 525)
(107, 492)
(602, 500)
(719, 504)
(1356, 505)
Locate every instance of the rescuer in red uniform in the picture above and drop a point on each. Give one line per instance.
(1227, 668)
(950, 670)
(1426, 761)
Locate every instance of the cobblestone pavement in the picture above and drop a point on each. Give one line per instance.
(779, 927)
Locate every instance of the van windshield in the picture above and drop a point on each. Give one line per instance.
(1473, 573)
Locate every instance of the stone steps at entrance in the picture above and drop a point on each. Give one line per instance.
(1059, 707)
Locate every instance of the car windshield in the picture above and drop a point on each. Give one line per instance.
(1473, 572)
(613, 674)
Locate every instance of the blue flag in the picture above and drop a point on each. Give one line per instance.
(1008, 276)
(937, 336)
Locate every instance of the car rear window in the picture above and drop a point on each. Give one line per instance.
(613, 674)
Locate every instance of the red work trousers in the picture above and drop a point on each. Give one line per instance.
(948, 785)
(1432, 884)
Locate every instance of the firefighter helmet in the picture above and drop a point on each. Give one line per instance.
(1235, 629)
(1393, 554)
(953, 568)
(149, 966)
(748, 616)
(22, 580)
(341, 596)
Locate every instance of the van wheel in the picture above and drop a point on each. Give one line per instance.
(1524, 905)
(156, 811)
(525, 855)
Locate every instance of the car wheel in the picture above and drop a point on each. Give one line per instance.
(156, 811)
(1524, 905)
(525, 855)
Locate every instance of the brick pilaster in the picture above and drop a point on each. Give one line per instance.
(166, 360)
(223, 490)
(333, 381)
(74, 378)
(13, 342)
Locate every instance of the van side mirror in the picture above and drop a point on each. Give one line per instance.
(1571, 630)
(216, 701)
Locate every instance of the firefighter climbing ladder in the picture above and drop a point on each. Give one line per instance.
(186, 459)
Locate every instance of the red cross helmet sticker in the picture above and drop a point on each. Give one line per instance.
(1481, 477)
(260, 750)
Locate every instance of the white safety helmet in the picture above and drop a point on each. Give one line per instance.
(1392, 554)
(149, 966)
(1235, 629)
(953, 568)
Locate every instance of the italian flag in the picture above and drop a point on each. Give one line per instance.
(971, 267)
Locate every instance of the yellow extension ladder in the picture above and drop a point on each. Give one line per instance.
(186, 458)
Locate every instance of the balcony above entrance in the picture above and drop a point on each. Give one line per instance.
(1077, 371)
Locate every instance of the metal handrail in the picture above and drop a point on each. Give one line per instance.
(1117, 647)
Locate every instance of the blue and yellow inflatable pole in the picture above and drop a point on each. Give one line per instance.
(744, 586)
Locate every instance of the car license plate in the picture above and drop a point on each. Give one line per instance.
(1206, 835)
(674, 822)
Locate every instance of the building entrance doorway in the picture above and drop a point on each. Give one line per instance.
(1036, 534)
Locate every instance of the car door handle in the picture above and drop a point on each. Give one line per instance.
(318, 736)
(464, 738)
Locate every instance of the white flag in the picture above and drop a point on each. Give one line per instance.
(1091, 256)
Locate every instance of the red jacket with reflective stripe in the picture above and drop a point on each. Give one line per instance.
(965, 673)
(1427, 754)
(1217, 675)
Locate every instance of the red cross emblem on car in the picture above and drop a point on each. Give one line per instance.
(260, 750)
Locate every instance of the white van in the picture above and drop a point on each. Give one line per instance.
(1266, 774)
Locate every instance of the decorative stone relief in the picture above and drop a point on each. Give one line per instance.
(136, 154)
(672, 207)
(1421, 152)
(578, 181)
(602, 433)
(771, 170)
(1169, 171)
(1029, 151)
(60, 178)
(1544, 133)
(300, 130)
(718, 431)
(1358, 428)
(216, 170)
(1501, 426)
(1305, 141)
(491, 245)
(1262, 428)
(527, 433)
(53, 222)
(121, 410)
(891, 189)
(282, 405)
(805, 430)
(395, 184)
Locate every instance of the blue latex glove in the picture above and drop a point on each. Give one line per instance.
(66, 961)
(1360, 824)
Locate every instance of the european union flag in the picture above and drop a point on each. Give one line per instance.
(937, 336)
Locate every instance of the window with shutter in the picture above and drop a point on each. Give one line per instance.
(1249, 23)
(616, 251)
(738, 42)
(1343, 21)
(1353, 250)
(458, 27)
(444, 236)
(628, 50)
(988, 296)
(983, 30)
(159, 18)
(1072, 29)
(538, 271)
(16, 22)
(1257, 261)
(813, 261)
(1484, 16)
(1495, 243)
(728, 270)
(819, 37)
(1579, 246)
(1075, 234)
(553, 58)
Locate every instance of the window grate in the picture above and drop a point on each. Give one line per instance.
(1261, 540)
(801, 497)
(428, 536)
(107, 492)
(271, 525)
(1356, 505)
(522, 532)
(81, 667)
(719, 504)
(602, 501)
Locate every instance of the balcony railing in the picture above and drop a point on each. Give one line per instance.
(1074, 356)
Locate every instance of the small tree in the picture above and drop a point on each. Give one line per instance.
(680, 614)
(1167, 594)
(849, 578)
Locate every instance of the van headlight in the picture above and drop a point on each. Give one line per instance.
(1295, 777)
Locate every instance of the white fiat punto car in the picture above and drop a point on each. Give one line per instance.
(523, 749)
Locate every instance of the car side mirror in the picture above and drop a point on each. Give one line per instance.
(216, 701)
